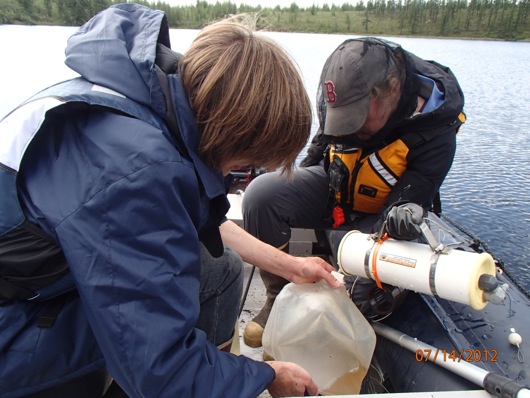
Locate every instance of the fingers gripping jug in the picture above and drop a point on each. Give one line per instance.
(319, 328)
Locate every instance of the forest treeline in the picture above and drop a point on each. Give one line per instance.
(479, 19)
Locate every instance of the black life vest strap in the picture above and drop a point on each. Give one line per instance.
(50, 312)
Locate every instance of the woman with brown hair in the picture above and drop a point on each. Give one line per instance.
(116, 195)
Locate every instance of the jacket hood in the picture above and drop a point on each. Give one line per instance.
(117, 49)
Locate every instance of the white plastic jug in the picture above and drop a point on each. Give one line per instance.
(320, 328)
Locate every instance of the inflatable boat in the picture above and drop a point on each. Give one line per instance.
(438, 332)
(432, 343)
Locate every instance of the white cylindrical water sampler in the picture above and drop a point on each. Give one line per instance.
(452, 275)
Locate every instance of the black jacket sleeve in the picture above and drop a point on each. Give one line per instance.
(316, 150)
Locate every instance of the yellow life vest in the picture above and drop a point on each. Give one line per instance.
(365, 181)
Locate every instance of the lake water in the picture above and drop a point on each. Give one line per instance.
(487, 190)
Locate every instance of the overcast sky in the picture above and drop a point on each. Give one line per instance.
(263, 3)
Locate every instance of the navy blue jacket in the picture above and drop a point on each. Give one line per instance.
(126, 207)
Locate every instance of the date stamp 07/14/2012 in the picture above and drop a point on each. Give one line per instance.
(469, 355)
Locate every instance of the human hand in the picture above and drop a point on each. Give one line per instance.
(403, 222)
(291, 381)
(312, 269)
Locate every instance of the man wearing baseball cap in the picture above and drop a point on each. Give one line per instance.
(386, 141)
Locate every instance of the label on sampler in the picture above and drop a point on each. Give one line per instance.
(400, 260)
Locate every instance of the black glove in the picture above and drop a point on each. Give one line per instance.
(403, 222)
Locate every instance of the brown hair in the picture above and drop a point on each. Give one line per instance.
(248, 97)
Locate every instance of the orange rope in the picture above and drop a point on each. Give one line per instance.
(374, 259)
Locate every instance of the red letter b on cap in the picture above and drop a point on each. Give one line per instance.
(330, 91)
